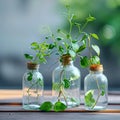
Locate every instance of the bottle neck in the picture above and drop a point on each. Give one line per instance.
(96, 72)
(32, 67)
(33, 70)
(66, 60)
(66, 65)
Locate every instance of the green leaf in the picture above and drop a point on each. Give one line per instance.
(81, 48)
(66, 83)
(42, 59)
(29, 57)
(68, 36)
(38, 54)
(74, 41)
(40, 82)
(94, 60)
(95, 36)
(89, 100)
(58, 30)
(61, 49)
(75, 46)
(35, 45)
(84, 62)
(59, 38)
(59, 106)
(30, 75)
(103, 93)
(96, 49)
(73, 100)
(46, 38)
(84, 37)
(51, 46)
(90, 18)
(46, 106)
(72, 53)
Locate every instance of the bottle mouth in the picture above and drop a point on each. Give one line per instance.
(96, 67)
(65, 59)
(32, 66)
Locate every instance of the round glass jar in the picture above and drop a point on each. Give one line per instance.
(66, 83)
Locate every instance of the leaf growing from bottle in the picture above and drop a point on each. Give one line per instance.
(66, 83)
(30, 75)
(102, 93)
(89, 99)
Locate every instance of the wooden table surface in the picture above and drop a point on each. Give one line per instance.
(11, 109)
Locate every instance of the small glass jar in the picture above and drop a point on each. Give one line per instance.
(96, 89)
(32, 87)
(66, 83)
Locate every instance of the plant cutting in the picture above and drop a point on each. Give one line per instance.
(33, 83)
(95, 84)
(66, 77)
(96, 89)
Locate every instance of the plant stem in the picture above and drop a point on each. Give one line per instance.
(84, 26)
(60, 92)
(64, 98)
(61, 89)
(28, 91)
(99, 94)
(56, 42)
(89, 44)
(70, 26)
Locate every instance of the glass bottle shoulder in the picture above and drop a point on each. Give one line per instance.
(34, 74)
(71, 71)
(99, 76)
(70, 68)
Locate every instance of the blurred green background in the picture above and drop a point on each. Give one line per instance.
(23, 21)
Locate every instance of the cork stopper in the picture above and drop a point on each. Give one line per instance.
(65, 59)
(96, 67)
(32, 66)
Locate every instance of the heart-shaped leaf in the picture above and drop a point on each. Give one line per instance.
(96, 49)
(59, 106)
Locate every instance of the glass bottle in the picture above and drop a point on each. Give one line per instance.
(96, 89)
(32, 87)
(66, 83)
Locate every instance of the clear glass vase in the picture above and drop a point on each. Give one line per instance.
(96, 89)
(32, 87)
(66, 83)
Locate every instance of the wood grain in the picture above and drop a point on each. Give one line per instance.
(11, 101)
